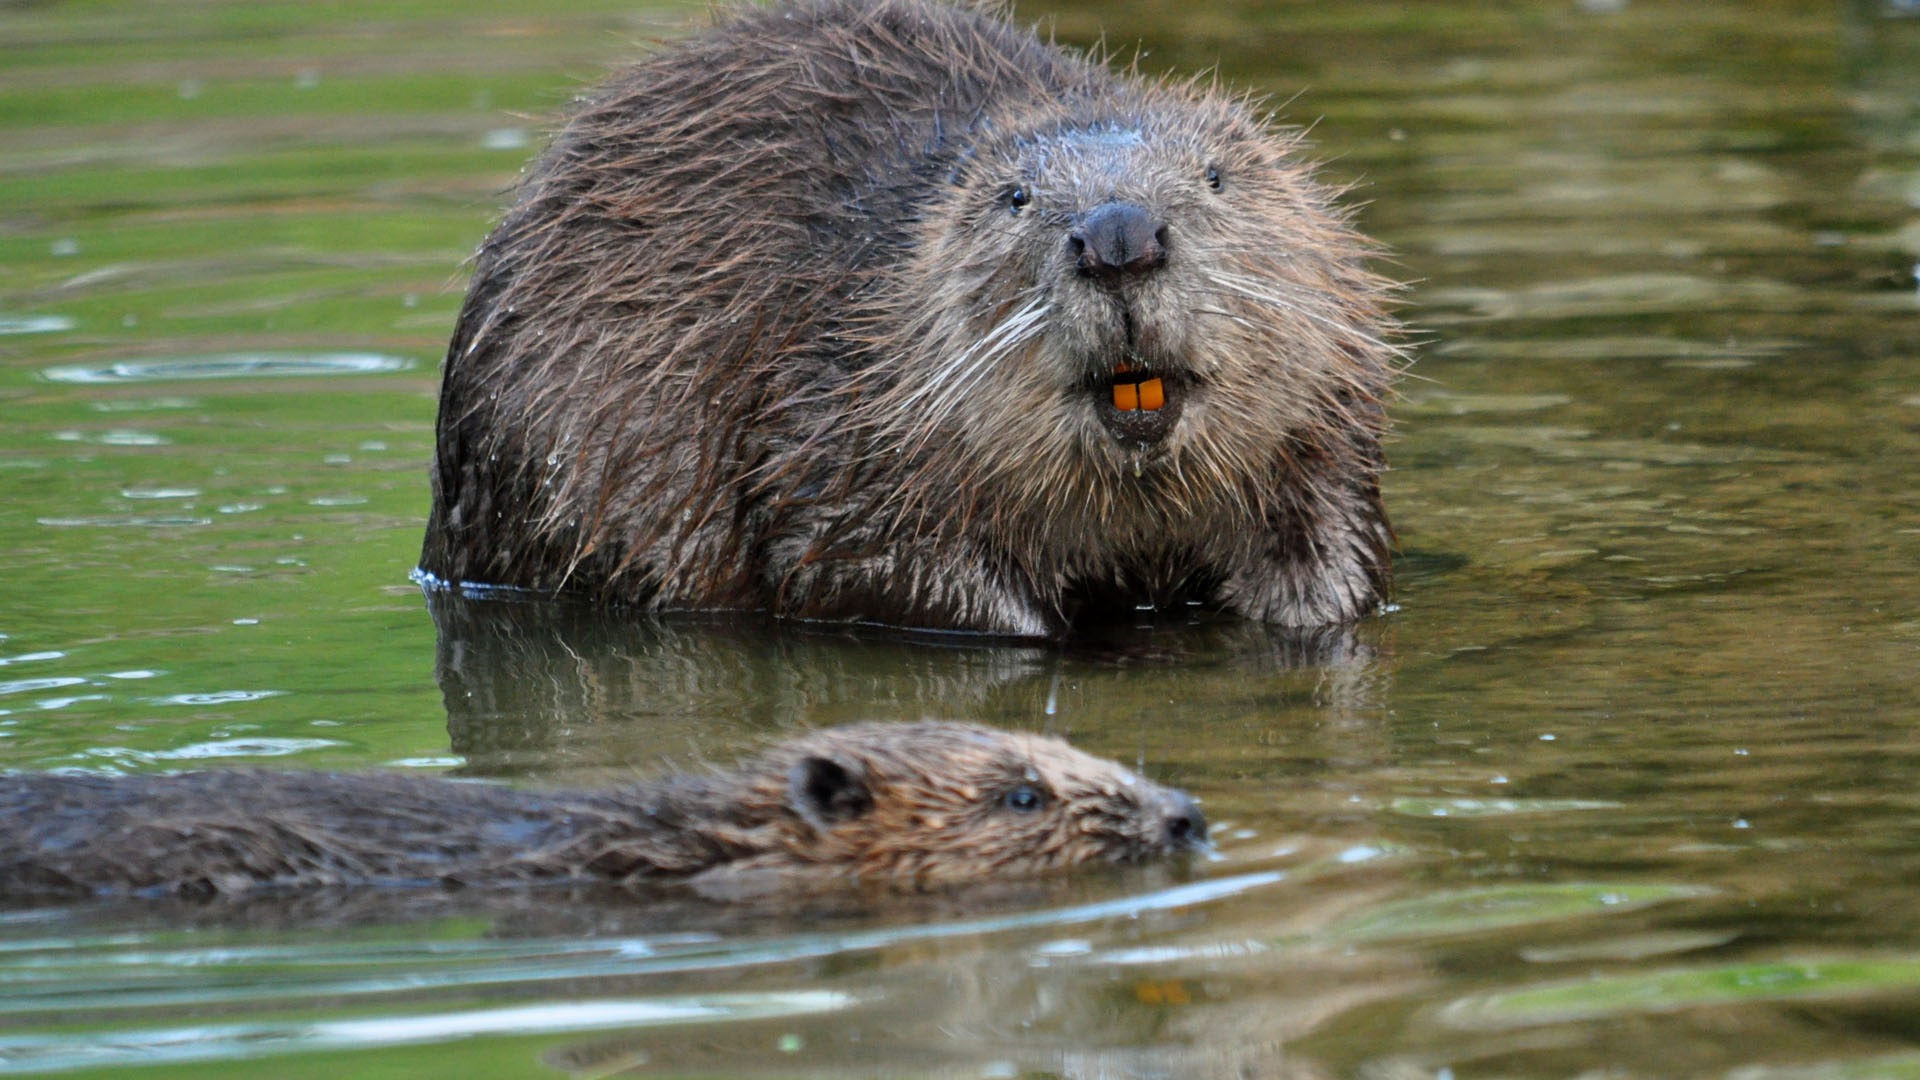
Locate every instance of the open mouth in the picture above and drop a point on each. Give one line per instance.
(1137, 405)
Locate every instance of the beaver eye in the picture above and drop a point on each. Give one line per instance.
(1024, 799)
(1213, 177)
(1016, 199)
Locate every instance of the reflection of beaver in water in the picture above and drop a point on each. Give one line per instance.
(900, 804)
(885, 310)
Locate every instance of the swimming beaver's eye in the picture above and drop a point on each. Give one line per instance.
(1016, 199)
(1213, 177)
(1024, 799)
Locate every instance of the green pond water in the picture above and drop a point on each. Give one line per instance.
(1626, 785)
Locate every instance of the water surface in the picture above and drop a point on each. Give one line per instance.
(1625, 785)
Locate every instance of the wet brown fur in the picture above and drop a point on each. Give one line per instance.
(762, 330)
(900, 804)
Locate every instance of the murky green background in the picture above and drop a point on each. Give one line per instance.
(1627, 786)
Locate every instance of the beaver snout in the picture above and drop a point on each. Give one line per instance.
(1186, 825)
(1118, 241)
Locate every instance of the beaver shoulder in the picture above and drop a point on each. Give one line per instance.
(885, 310)
(901, 804)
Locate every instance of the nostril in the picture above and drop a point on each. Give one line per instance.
(1160, 238)
(1186, 826)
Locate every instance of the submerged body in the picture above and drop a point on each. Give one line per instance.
(885, 310)
(907, 804)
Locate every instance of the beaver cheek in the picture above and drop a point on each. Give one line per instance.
(847, 844)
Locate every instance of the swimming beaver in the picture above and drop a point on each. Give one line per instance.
(885, 310)
(911, 804)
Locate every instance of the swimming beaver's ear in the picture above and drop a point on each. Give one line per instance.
(825, 793)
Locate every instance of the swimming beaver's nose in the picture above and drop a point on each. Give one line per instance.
(1186, 825)
(1118, 240)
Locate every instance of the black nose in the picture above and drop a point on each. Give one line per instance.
(1186, 825)
(1117, 241)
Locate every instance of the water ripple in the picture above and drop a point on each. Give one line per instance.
(238, 365)
(217, 697)
(52, 682)
(84, 986)
(1639, 993)
(256, 747)
(159, 493)
(110, 521)
(1461, 807)
(118, 437)
(34, 324)
(227, 1042)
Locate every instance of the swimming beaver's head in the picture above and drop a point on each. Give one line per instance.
(942, 803)
(1139, 293)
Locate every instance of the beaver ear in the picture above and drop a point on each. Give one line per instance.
(825, 792)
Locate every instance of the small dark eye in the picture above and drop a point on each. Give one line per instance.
(1213, 177)
(1017, 198)
(1024, 799)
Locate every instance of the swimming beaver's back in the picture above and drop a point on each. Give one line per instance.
(905, 804)
(225, 831)
(830, 310)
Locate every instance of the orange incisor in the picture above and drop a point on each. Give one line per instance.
(1145, 394)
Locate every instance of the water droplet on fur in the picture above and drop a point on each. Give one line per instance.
(1139, 464)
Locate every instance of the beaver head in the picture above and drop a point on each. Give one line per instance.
(947, 803)
(1136, 293)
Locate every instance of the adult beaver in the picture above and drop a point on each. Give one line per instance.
(912, 804)
(885, 310)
